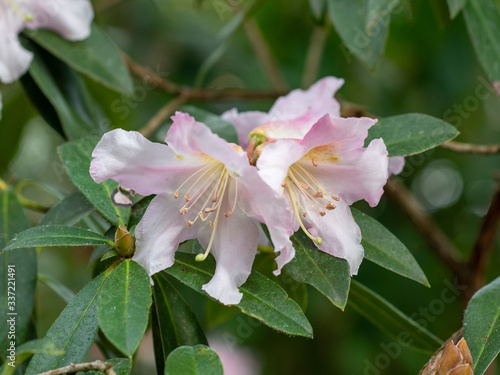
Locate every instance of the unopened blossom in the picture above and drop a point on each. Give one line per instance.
(320, 175)
(71, 19)
(456, 360)
(206, 189)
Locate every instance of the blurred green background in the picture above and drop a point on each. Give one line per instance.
(428, 66)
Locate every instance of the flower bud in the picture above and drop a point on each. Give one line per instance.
(456, 360)
(124, 242)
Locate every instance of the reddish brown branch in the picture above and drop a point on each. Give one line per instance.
(430, 231)
(192, 93)
(469, 148)
(485, 243)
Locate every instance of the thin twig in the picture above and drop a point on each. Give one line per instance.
(470, 148)
(264, 55)
(161, 115)
(430, 231)
(73, 368)
(314, 55)
(485, 243)
(191, 93)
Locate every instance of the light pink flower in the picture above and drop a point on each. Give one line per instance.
(293, 114)
(321, 175)
(71, 19)
(206, 189)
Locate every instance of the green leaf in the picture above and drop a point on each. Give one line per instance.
(56, 235)
(390, 320)
(386, 250)
(73, 331)
(23, 352)
(411, 133)
(12, 221)
(483, 22)
(455, 6)
(328, 274)
(76, 157)
(68, 211)
(262, 299)
(57, 287)
(78, 114)
(363, 26)
(123, 306)
(482, 326)
(193, 360)
(139, 209)
(219, 126)
(97, 57)
(174, 323)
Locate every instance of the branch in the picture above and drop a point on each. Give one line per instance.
(264, 55)
(430, 231)
(161, 115)
(314, 55)
(192, 93)
(73, 368)
(471, 148)
(485, 242)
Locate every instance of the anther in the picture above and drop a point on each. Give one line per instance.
(283, 184)
(314, 162)
(201, 257)
(322, 213)
(214, 198)
(304, 214)
(330, 206)
(318, 194)
(200, 215)
(183, 210)
(187, 197)
(176, 195)
(210, 224)
(305, 186)
(207, 210)
(190, 223)
(335, 198)
(228, 213)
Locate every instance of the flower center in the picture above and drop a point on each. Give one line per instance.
(204, 194)
(300, 182)
(18, 11)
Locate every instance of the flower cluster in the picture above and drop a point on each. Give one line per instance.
(70, 19)
(302, 168)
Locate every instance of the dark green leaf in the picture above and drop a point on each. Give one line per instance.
(176, 324)
(139, 209)
(362, 27)
(217, 313)
(390, 320)
(23, 352)
(328, 274)
(386, 250)
(76, 157)
(455, 6)
(219, 126)
(411, 133)
(56, 235)
(482, 326)
(73, 331)
(483, 22)
(69, 211)
(12, 221)
(123, 306)
(263, 299)
(193, 360)
(79, 115)
(97, 57)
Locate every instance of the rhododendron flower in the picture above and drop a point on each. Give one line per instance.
(206, 189)
(321, 175)
(293, 114)
(71, 19)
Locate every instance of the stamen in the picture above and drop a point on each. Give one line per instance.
(283, 184)
(187, 197)
(210, 165)
(322, 213)
(304, 214)
(176, 195)
(214, 198)
(203, 218)
(190, 223)
(314, 162)
(184, 210)
(318, 194)
(305, 186)
(335, 198)
(210, 224)
(19, 12)
(318, 240)
(208, 210)
(330, 206)
(227, 213)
